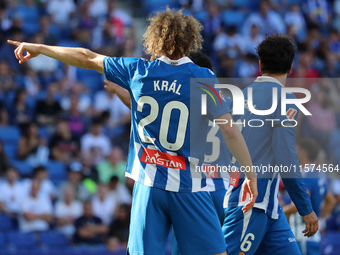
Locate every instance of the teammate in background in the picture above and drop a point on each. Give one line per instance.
(322, 200)
(164, 195)
(264, 229)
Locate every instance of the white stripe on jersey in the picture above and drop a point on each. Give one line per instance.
(150, 173)
(264, 204)
(172, 183)
(226, 197)
(136, 165)
(196, 177)
(275, 215)
(246, 220)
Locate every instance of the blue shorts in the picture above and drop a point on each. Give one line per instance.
(255, 233)
(217, 198)
(192, 215)
(309, 247)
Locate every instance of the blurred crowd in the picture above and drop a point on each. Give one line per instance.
(63, 115)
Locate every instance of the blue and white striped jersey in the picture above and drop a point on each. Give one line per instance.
(270, 145)
(167, 137)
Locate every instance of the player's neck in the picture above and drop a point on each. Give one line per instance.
(175, 57)
(280, 77)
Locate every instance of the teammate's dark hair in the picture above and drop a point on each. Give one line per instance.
(311, 147)
(276, 54)
(201, 59)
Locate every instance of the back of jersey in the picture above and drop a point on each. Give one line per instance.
(161, 146)
(258, 132)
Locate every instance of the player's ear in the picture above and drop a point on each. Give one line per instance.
(290, 70)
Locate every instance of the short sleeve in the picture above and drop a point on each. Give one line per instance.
(120, 70)
(217, 103)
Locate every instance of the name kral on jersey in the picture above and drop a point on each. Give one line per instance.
(162, 85)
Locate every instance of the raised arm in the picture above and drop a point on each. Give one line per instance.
(79, 57)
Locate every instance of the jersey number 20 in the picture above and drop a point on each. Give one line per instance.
(165, 122)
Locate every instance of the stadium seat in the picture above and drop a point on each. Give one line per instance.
(56, 171)
(240, 3)
(202, 15)
(53, 239)
(9, 134)
(21, 240)
(69, 43)
(11, 150)
(92, 79)
(232, 18)
(2, 240)
(151, 6)
(23, 167)
(5, 223)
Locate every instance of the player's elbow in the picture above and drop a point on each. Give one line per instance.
(229, 131)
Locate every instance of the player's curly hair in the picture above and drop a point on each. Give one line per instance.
(171, 33)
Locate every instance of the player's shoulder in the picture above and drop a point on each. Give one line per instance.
(201, 72)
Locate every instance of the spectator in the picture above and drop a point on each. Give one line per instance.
(119, 113)
(49, 31)
(324, 118)
(61, 11)
(21, 113)
(121, 22)
(6, 77)
(12, 193)
(32, 148)
(3, 160)
(89, 228)
(98, 9)
(267, 20)
(94, 144)
(64, 146)
(6, 50)
(318, 12)
(3, 115)
(67, 211)
(114, 165)
(295, 18)
(47, 189)
(36, 211)
(253, 40)
(119, 191)
(48, 110)
(31, 83)
(232, 43)
(119, 228)
(42, 63)
(76, 98)
(212, 26)
(103, 204)
(74, 182)
(77, 121)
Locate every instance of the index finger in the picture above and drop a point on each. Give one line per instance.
(14, 42)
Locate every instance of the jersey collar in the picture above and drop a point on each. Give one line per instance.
(180, 61)
(267, 79)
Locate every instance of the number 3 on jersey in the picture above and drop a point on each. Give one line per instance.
(165, 122)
